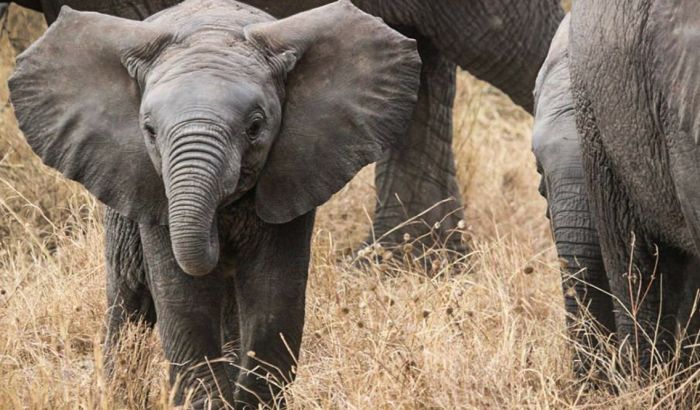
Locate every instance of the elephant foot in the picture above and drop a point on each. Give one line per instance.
(427, 226)
(416, 243)
(206, 391)
(251, 401)
(207, 403)
(597, 383)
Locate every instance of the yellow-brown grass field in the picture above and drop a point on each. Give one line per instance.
(486, 334)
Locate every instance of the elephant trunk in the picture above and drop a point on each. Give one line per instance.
(584, 277)
(578, 245)
(195, 172)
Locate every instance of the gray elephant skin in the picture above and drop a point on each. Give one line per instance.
(503, 42)
(557, 148)
(212, 131)
(634, 89)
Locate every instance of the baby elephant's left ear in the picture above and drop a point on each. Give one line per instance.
(350, 95)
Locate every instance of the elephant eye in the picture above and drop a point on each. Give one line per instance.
(255, 126)
(150, 131)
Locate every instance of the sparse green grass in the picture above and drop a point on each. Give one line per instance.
(492, 337)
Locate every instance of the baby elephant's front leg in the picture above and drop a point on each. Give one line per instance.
(270, 290)
(189, 311)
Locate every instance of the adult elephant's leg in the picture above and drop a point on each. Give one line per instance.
(632, 258)
(271, 288)
(128, 299)
(684, 299)
(189, 321)
(419, 171)
(685, 171)
(640, 280)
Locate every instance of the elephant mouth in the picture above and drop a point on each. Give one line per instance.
(229, 200)
(245, 184)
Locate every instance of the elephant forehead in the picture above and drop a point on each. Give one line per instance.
(195, 15)
(197, 90)
(209, 39)
(209, 62)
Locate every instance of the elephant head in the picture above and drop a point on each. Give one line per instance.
(169, 119)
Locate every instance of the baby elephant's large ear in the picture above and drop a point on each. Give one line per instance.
(350, 95)
(79, 109)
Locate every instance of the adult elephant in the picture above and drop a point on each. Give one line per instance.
(503, 42)
(634, 89)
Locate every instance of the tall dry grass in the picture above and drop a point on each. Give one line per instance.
(488, 333)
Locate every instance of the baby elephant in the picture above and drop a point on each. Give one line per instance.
(212, 132)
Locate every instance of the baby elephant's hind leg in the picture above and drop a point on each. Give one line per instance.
(128, 298)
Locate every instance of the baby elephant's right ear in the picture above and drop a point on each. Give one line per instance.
(79, 108)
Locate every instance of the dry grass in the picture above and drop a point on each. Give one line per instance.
(491, 338)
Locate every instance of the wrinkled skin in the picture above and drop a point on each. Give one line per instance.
(503, 42)
(635, 84)
(557, 148)
(211, 133)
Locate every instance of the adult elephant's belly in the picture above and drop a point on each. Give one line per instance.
(642, 167)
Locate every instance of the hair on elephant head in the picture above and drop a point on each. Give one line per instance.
(169, 119)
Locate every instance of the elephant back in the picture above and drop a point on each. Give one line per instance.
(131, 9)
